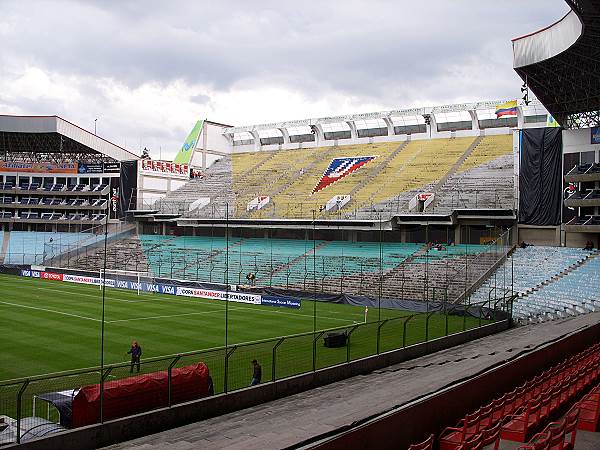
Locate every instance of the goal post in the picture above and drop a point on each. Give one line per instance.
(119, 277)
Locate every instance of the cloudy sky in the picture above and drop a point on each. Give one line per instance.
(148, 69)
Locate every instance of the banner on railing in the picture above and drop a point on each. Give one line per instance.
(37, 167)
(159, 288)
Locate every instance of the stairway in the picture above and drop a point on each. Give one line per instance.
(327, 153)
(568, 311)
(459, 162)
(297, 259)
(366, 180)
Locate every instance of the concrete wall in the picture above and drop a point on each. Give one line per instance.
(369, 140)
(579, 141)
(108, 433)
(432, 414)
(538, 235)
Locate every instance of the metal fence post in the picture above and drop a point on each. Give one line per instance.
(315, 349)
(427, 325)
(404, 330)
(274, 364)
(19, 406)
(103, 378)
(227, 355)
(348, 342)
(381, 324)
(169, 376)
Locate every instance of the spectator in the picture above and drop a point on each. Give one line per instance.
(589, 246)
(136, 354)
(251, 278)
(256, 373)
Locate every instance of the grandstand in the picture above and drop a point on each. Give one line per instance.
(464, 172)
(335, 251)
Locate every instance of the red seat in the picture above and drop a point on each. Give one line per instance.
(522, 424)
(540, 441)
(453, 437)
(427, 444)
(564, 433)
(589, 414)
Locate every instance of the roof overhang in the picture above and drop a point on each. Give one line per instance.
(561, 65)
(55, 124)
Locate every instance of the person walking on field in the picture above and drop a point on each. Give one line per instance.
(256, 373)
(136, 354)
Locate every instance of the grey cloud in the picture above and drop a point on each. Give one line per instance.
(384, 52)
(348, 47)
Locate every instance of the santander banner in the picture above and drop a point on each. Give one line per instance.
(238, 297)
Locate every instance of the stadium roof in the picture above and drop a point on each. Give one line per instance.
(561, 65)
(384, 115)
(79, 139)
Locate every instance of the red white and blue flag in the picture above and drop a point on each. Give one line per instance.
(339, 168)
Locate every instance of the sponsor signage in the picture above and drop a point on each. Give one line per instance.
(220, 295)
(149, 165)
(238, 297)
(595, 135)
(285, 302)
(113, 167)
(91, 168)
(99, 168)
(37, 167)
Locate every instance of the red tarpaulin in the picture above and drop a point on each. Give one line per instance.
(140, 393)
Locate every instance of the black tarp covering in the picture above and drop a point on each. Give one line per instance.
(540, 180)
(128, 186)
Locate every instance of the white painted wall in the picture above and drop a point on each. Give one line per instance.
(576, 141)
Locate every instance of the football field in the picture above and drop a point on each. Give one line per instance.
(51, 326)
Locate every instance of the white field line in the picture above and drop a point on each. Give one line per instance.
(201, 303)
(50, 310)
(162, 317)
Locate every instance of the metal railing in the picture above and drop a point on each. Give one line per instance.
(230, 367)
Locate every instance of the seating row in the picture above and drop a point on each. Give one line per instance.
(53, 187)
(51, 216)
(526, 409)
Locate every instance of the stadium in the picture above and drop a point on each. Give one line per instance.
(423, 278)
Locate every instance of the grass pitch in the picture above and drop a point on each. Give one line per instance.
(51, 326)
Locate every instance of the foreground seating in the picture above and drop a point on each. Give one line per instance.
(427, 444)
(524, 411)
(557, 435)
(589, 414)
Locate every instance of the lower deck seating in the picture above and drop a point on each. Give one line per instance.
(35, 247)
(532, 406)
(574, 292)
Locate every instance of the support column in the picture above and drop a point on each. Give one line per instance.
(390, 125)
(353, 131)
(285, 134)
(474, 120)
(319, 134)
(457, 234)
(256, 140)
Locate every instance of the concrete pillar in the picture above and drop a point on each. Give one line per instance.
(390, 125)
(474, 120)
(256, 138)
(353, 131)
(457, 234)
(285, 134)
(319, 134)
(520, 117)
(204, 146)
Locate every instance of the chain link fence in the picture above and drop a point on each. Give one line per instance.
(29, 405)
